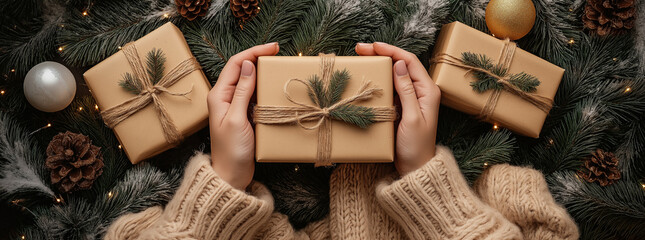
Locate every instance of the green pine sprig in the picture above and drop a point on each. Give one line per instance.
(155, 61)
(485, 82)
(330, 95)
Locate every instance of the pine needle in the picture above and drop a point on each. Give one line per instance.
(155, 61)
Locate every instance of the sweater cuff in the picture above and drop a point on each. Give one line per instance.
(206, 207)
(522, 196)
(436, 202)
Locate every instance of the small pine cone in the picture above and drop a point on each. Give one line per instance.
(191, 9)
(601, 167)
(244, 9)
(606, 17)
(73, 161)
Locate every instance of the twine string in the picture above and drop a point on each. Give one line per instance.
(150, 93)
(304, 112)
(505, 60)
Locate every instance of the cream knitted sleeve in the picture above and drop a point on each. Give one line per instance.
(206, 207)
(435, 202)
(522, 196)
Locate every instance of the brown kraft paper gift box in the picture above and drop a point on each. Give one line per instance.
(349, 143)
(511, 111)
(141, 134)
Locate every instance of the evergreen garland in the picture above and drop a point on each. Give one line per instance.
(599, 104)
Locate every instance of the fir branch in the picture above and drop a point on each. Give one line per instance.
(360, 116)
(155, 61)
(337, 85)
(130, 84)
(333, 26)
(22, 170)
(556, 22)
(109, 24)
(317, 93)
(410, 25)
(490, 148)
(618, 209)
(485, 82)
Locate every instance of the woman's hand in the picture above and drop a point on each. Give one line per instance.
(232, 138)
(415, 137)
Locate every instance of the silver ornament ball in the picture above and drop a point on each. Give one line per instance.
(49, 86)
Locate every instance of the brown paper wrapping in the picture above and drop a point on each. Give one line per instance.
(291, 143)
(511, 112)
(141, 135)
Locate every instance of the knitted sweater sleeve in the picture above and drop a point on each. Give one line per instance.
(522, 196)
(435, 202)
(206, 207)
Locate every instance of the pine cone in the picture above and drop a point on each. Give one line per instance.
(606, 17)
(73, 161)
(191, 9)
(245, 9)
(601, 167)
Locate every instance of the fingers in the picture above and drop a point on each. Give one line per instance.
(405, 89)
(243, 92)
(220, 97)
(231, 70)
(427, 92)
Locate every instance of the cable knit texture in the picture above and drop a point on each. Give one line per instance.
(523, 197)
(433, 202)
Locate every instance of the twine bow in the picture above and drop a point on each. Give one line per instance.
(324, 110)
(505, 59)
(149, 92)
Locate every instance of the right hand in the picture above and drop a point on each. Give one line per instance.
(232, 137)
(419, 95)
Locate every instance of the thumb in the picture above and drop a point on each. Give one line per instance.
(243, 90)
(405, 89)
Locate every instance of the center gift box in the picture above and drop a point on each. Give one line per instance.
(299, 119)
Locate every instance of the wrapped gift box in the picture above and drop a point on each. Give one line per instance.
(511, 111)
(141, 134)
(292, 143)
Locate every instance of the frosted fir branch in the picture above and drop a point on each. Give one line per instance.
(424, 20)
(639, 33)
(162, 9)
(21, 163)
(216, 7)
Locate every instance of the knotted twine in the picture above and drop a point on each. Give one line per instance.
(303, 112)
(150, 93)
(505, 59)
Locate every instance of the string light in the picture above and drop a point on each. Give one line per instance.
(13, 70)
(643, 185)
(485, 164)
(49, 125)
(58, 200)
(120, 147)
(300, 54)
(628, 89)
(60, 49)
(570, 9)
(495, 127)
(166, 15)
(551, 141)
(296, 168)
(110, 193)
(85, 13)
(119, 47)
(22, 237)
(62, 25)
(1, 92)
(96, 107)
(80, 109)
(614, 59)
(571, 41)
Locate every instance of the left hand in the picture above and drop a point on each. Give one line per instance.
(419, 95)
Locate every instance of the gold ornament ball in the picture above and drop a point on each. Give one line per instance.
(510, 18)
